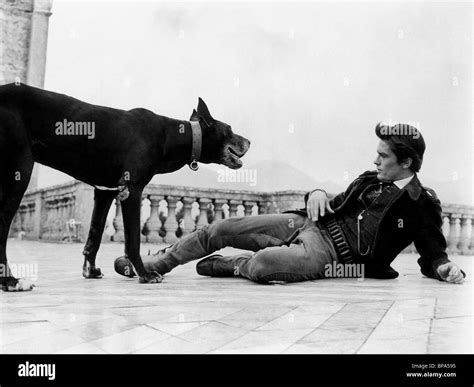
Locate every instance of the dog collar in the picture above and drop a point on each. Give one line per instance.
(197, 145)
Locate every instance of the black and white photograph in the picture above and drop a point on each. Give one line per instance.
(236, 178)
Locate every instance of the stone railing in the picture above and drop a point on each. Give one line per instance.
(62, 213)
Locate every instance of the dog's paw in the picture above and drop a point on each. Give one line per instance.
(91, 272)
(20, 285)
(151, 277)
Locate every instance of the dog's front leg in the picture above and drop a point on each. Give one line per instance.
(102, 202)
(131, 220)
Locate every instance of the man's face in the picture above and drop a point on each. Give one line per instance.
(388, 167)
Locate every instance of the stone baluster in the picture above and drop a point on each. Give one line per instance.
(22, 211)
(233, 204)
(55, 233)
(466, 232)
(471, 244)
(31, 217)
(51, 219)
(153, 223)
(119, 235)
(171, 225)
(445, 225)
(62, 217)
(218, 212)
(45, 231)
(263, 207)
(203, 206)
(188, 224)
(248, 207)
(454, 228)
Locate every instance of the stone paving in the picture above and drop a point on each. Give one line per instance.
(188, 313)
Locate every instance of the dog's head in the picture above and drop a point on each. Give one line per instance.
(219, 144)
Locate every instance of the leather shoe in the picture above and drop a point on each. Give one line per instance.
(219, 266)
(123, 266)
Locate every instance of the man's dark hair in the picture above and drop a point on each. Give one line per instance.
(405, 141)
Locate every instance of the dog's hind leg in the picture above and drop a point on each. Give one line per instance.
(14, 178)
(102, 202)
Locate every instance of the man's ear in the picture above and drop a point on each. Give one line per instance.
(194, 116)
(203, 113)
(407, 162)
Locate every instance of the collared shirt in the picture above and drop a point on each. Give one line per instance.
(403, 182)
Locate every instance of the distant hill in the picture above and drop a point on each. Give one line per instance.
(263, 176)
(268, 176)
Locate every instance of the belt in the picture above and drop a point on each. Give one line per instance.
(339, 241)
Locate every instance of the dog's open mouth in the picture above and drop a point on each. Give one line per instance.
(232, 157)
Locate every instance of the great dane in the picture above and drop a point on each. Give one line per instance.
(116, 151)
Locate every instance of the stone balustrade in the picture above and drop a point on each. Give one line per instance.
(62, 213)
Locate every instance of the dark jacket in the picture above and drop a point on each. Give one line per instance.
(415, 207)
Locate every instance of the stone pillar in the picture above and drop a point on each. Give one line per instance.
(454, 229)
(233, 204)
(84, 204)
(445, 226)
(466, 231)
(23, 46)
(188, 221)
(263, 207)
(119, 235)
(203, 206)
(38, 43)
(218, 212)
(153, 224)
(171, 225)
(248, 207)
(37, 216)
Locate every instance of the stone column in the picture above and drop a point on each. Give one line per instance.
(188, 221)
(23, 46)
(233, 204)
(203, 206)
(248, 207)
(466, 231)
(454, 229)
(218, 212)
(153, 224)
(263, 207)
(171, 225)
(38, 43)
(119, 235)
(84, 204)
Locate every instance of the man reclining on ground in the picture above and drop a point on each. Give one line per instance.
(369, 224)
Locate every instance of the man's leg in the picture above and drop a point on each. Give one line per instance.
(249, 233)
(304, 259)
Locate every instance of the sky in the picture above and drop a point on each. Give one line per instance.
(305, 82)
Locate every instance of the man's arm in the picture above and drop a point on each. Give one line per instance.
(318, 203)
(431, 245)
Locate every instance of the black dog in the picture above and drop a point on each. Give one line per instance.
(116, 151)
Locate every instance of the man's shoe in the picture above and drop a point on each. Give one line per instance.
(219, 266)
(123, 266)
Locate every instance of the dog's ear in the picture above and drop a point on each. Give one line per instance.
(194, 116)
(203, 113)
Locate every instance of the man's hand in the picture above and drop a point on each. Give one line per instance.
(318, 204)
(450, 272)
